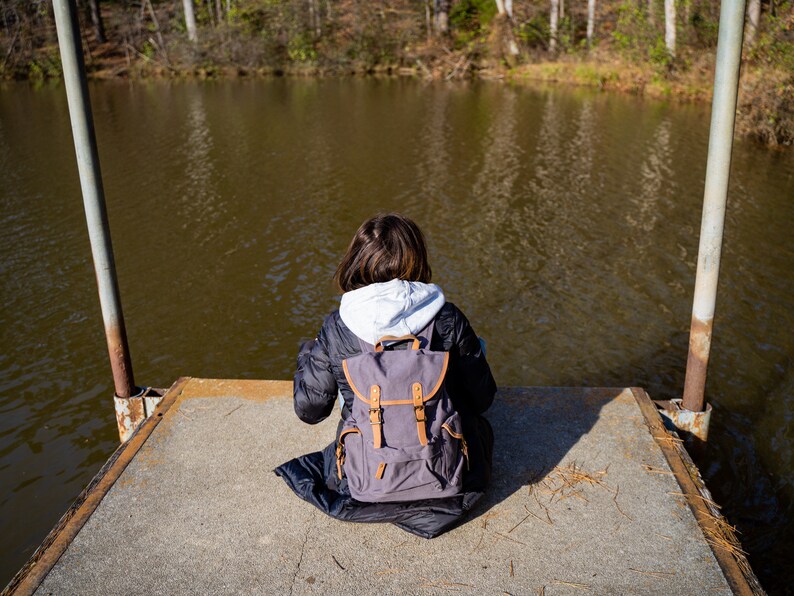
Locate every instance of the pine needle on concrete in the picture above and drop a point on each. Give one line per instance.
(564, 482)
(506, 537)
(615, 500)
(443, 584)
(653, 573)
(652, 470)
(549, 522)
(572, 584)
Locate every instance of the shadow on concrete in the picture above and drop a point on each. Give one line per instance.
(534, 430)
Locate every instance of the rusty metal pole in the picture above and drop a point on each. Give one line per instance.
(726, 87)
(94, 198)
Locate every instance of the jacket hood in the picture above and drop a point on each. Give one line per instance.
(395, 307)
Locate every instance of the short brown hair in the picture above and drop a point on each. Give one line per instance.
(385, 247)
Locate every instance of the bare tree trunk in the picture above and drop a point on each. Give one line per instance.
(591, 6)
(651, 13)
(509, 8)
(504, 29)
(442, 16)
(190, 20)
(669, 26)
(753, 18)
(11, 47)
(96, 20)
(562, 9)
(553, 19)
(89, 55)
(157, 31)
(218, 11)
(314, 18)
(428, 25)
(4, 12)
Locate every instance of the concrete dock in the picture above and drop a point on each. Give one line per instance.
(591, 494)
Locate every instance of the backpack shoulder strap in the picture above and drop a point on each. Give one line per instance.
(365, 346)
(425, 336)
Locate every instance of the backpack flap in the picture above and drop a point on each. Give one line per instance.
(395, 393)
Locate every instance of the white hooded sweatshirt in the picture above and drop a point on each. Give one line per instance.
(395, 307)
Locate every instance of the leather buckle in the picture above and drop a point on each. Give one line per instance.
(419, 410)
(376, 416)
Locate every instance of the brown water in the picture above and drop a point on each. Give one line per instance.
(564, 223)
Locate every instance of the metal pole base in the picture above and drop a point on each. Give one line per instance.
(132, 411)
(692, 426)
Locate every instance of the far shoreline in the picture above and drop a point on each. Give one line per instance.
(692, 86)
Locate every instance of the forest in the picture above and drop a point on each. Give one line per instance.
(661, 48)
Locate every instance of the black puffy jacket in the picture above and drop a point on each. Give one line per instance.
(319, 374)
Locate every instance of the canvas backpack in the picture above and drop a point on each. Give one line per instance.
(403, 440)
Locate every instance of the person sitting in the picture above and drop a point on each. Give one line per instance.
(385, 278)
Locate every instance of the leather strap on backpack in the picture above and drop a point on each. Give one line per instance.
(419, 413)
(376, 416)
(340, 450)
(425, 337)
(393, 338)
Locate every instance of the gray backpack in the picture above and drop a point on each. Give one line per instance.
(403, 440)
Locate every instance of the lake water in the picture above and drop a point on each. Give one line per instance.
(563, 222)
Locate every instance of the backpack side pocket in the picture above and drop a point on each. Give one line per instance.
(342, 449)
(455, 451)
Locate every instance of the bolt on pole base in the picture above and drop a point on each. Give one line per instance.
(132, 411)
(692, 426)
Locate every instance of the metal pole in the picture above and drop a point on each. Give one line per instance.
(93, 194)
(723, 111)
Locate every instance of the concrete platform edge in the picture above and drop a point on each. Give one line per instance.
(734, 565)
(28, 579)
(733, 562)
